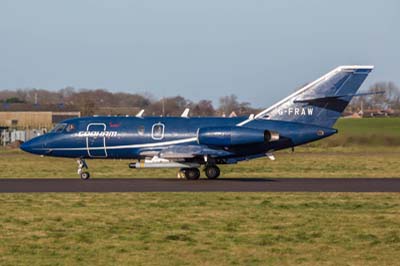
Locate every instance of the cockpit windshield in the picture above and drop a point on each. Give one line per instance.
(59, 128)
(64, 127)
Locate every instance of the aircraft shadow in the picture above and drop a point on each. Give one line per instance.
(244, 179)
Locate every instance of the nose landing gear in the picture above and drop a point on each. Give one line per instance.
(82, 165)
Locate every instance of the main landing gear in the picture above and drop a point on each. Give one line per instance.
(82, 165)
(211, 171)
(189, 173)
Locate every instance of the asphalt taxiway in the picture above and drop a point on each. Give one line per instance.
(202, 185)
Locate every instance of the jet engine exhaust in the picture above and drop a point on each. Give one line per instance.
(270, 136)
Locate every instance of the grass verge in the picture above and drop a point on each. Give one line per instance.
(200, 229)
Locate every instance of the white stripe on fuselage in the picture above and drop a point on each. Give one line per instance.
(133, 146)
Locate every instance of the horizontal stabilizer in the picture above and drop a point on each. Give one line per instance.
(329, 98)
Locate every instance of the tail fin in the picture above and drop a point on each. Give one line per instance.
(322, 101)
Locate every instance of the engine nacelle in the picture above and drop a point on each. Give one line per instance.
(232, 136)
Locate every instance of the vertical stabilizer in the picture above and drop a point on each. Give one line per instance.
(320, 102)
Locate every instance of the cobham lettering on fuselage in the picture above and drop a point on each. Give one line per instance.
(106, 134)
(307, 115)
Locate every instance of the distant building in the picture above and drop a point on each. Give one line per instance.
(378, 113)
(34, 116)
(32, 119)
(353, 115)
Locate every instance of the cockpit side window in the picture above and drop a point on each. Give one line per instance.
(70, 128)
(59, 128)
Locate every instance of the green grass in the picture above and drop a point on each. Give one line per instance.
(385, 126)
(365, 132)
(200, 229)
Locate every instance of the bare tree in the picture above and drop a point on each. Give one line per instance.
(389, 99)
(228, 104)
(203, 108)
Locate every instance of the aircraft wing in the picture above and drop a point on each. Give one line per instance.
(184, 152)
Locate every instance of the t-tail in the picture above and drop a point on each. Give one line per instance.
(322, 101)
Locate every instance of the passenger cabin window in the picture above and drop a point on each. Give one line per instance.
(59, 128)
(141, 130)
(157, 131)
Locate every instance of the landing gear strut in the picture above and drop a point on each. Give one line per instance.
(181, 174)
(189, 173)
(212, 171)
(82, 165)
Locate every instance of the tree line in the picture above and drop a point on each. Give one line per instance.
(104, 102)
(387, 97)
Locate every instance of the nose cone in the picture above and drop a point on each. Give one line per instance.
(25, 146)
(35, 145)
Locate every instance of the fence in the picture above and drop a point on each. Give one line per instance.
(9, 136)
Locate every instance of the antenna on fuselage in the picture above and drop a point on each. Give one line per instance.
(140, 114)
(185, 113)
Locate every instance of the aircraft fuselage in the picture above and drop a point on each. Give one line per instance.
(133, 138)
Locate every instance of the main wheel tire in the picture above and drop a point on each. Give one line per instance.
(85, 175)
(212, 171)
(192, 173)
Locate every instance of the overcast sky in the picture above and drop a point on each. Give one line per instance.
(258, 50)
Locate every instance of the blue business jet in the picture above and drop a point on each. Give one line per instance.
(188, 143)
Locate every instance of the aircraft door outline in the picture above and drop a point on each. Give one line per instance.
(96, 138)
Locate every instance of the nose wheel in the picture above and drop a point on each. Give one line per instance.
(82, 165)
(85, 175)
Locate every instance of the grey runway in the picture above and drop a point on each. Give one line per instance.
(202, 185)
